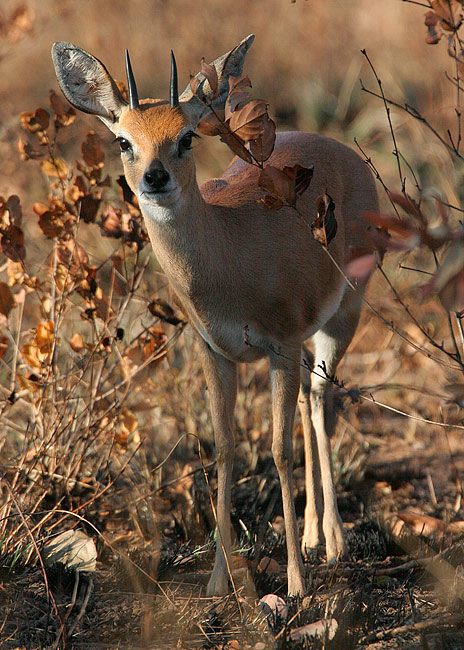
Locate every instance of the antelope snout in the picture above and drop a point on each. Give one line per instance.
(155, 179)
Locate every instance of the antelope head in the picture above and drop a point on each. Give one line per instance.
(154, 136)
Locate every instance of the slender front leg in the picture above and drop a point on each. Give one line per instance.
(285, 379)
(221, 378)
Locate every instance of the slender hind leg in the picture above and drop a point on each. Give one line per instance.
(330, 343)
(312, 534)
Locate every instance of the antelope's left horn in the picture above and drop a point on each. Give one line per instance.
(133, 95)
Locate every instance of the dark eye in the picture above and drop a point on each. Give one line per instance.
(185, 143)
(124, 144)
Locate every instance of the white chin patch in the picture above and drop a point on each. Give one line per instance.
(163, 199)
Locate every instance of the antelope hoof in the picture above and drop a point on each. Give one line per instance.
(335, 544)
(296, 586)
(218, 584)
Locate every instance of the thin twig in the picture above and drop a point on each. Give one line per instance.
(387, 110)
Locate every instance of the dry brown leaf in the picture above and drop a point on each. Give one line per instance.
(32, 355)
(65, 114)
(27, 152)
(262, 147)
(237, 146)
(11, 211)
(129, 421)
(15, 273)
(238, 94)
(209, 71)
(278, 184)
(51, 224)
(271, 202)
(7, 301)
(77, 343)
(324, 227)
(449, 12)
(211, 125)
(111, 221)
(92, 152)
(12, 243)
(55, 167)
(35, 121)
(247, 120)
(45, 336)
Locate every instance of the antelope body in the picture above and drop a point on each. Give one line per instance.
(235, 266)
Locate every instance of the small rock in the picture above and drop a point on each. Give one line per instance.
(73, 548)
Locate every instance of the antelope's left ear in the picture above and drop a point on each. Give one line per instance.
(227, 65)
(86, 83)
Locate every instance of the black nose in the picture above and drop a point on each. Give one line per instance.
(155, 179)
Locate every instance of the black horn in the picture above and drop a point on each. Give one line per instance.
(174, 91)
(133, 95)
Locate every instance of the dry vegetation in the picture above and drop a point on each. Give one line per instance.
(104, 422)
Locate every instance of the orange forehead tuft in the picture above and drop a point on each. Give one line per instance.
(155, 119)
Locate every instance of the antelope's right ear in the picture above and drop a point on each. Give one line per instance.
(86, 83)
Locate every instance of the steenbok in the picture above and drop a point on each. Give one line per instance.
(237, 268)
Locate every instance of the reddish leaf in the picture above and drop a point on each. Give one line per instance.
(194, 83)
(434, 32)
(247, 121)
(271, 203)
(45, 336)
(92, 152)
(89, 207)
(237, 146)
(324, 227)
(361, 267)
(111, 222)
(211, 125)
(278, 183)
(301, 177)
(77, 343)
(408, 204)
(12, 243)
(73, 255)
(51, 224)
(65, 115)
(238, 94)
(27, 152)
(449, 12)
(11, 208)
(209, 71)
(35, 121)
(6, 299)
(263, 146)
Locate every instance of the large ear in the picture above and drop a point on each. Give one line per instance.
(227, 65)
(86, 83)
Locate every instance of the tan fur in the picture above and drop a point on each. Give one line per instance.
(253, 283)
